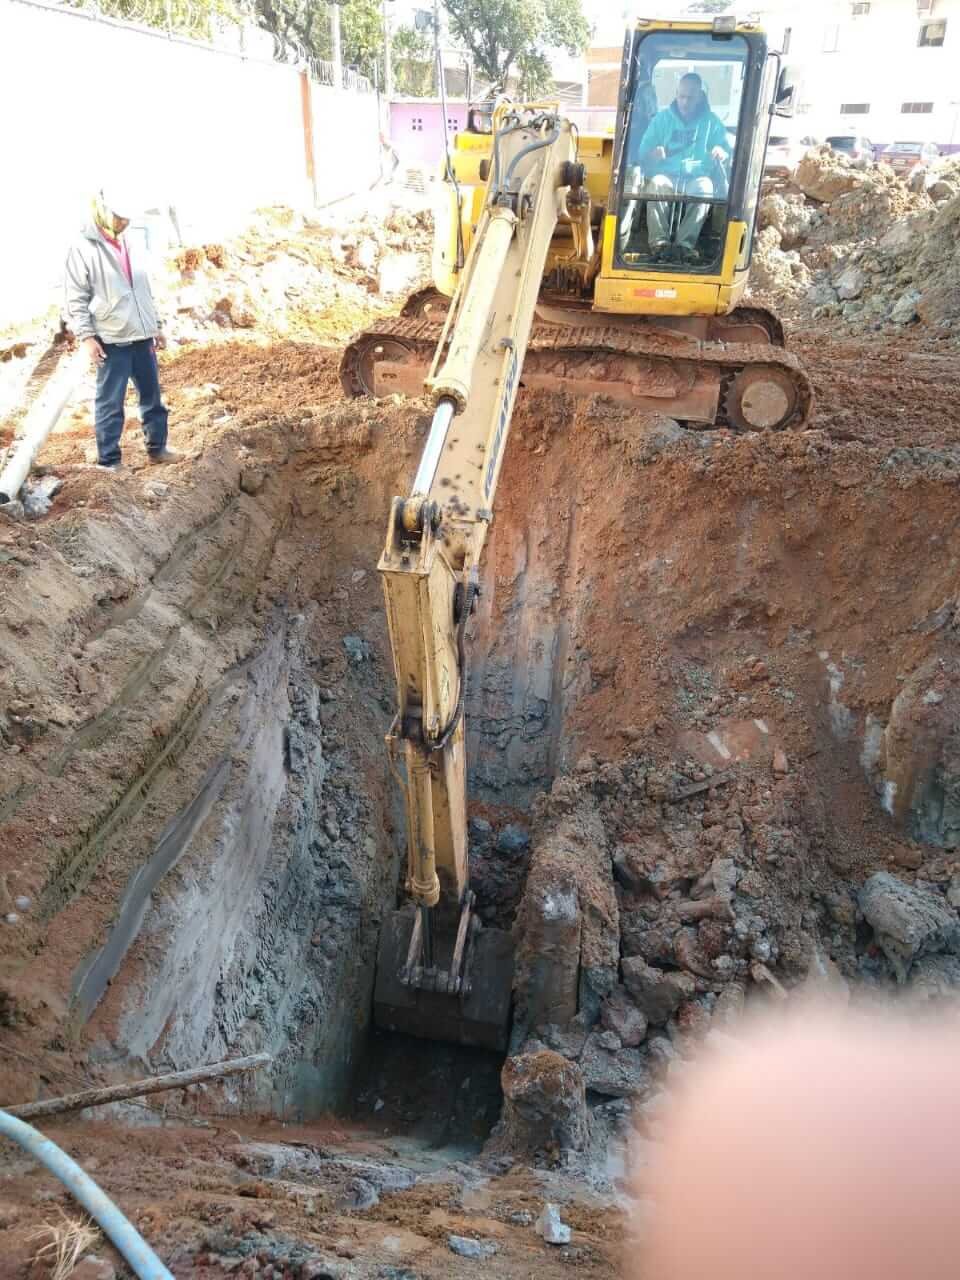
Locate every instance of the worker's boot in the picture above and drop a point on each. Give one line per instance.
(164, 455)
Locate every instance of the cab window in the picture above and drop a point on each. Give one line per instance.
(680, 149)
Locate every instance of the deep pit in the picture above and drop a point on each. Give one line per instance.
(713, 691)
(652, 592)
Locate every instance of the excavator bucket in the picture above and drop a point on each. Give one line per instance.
(478, 1015)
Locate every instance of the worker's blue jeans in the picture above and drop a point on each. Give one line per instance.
(136, 360)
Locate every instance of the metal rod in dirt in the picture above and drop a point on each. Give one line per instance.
(138, 1089)
(39, 422)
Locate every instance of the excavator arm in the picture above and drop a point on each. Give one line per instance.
(440, 974)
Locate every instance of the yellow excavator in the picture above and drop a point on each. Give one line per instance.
(597, 264)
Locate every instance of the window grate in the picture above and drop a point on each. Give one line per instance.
(916, 108)
(855, 109)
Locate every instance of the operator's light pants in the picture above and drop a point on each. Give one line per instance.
(659, 215)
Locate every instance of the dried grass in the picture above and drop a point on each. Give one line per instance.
(70, 1239)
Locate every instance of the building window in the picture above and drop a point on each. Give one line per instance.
(831, 38)
(916, 108)
(452, 124)
(787, 32)
(932, 34)
(416, 124)
(860, 9)
(855, 109)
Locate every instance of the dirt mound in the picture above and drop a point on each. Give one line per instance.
(861, 246)
(823, 174)
(290, 276)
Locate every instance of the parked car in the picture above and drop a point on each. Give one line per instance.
(784, 154)
(858, 150)
(903, 157)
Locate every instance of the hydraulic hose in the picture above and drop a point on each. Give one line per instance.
(135, 1250)
(525, 151)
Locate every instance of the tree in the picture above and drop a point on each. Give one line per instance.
(412, 61)
(198, 18)
(503, 35)
(361, 34)
(302, 27)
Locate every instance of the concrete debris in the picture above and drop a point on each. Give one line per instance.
(850, 284)
(550, 1225)
(620, 1015)
(908, 922)
(465, 1247)
(658, 994)
(38, 493)
(872, 248)
(905, 309)
(612, 1070)
(936, 977)
(823, 174)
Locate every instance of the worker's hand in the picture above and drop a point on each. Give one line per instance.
(659, 153)
(719, 154)
(159, 342)
(94, 351)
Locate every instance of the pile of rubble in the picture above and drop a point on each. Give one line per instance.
(295, 276)
(662, 902)
(863, 245)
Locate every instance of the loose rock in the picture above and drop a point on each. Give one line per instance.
(551, 1226)
(908, 922)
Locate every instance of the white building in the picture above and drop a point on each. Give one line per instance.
(888, 70)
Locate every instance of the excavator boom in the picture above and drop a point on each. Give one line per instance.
(440, 974)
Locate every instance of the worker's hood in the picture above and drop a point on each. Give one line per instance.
(698, 114)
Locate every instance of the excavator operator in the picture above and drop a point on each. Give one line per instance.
(683, 151)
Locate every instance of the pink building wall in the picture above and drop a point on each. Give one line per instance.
(416, 130)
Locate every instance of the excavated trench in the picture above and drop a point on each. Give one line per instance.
(197, 799)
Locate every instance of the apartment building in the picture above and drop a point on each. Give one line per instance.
(886, 69)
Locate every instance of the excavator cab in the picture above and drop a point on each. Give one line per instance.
(682, 148)
(692, 124)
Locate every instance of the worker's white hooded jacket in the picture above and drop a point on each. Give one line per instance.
(98, 297)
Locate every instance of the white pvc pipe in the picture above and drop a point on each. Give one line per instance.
(41, 418)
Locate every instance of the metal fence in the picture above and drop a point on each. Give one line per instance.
(324, 72)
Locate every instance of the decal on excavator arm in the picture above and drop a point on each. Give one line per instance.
(506, 404)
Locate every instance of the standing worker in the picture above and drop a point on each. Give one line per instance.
(109, 307)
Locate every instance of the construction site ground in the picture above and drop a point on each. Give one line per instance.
(695, 648)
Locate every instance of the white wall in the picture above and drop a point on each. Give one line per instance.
(878, 62)
(86, 102)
